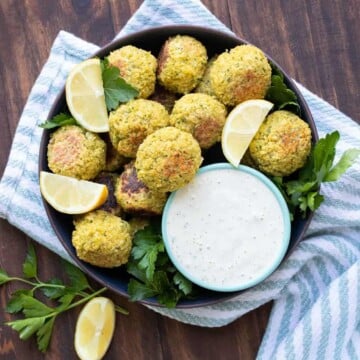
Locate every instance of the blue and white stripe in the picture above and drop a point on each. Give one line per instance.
(316, 292)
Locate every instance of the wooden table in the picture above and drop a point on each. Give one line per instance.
(314, 41)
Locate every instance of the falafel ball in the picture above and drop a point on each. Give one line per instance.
(130, 123)
(168, 159)
(181, 63)
(74, 151)
(241, 74)
(202, 116)
(102, 239)
(135, 197)
(137, 67)
(204, 86)
(282, 144)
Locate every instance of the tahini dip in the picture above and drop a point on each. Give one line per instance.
(228, 229)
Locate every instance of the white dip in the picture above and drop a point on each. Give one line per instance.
(224, 229)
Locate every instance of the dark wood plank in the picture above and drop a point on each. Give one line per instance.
(312, 41)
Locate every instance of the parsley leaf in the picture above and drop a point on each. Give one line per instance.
(153, 271)
(183, 283)
(15, 304)
(147, 246)
(30, 264)
(27, 327)
(280, 95)
(78, 281)
(302, 194)
(58, 120)
(116, 89)
(347, 159)
(139, 291)
(4, 277)
(53, 292)
(43, 334)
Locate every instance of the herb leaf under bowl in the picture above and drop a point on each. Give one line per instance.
(116, 89)
(152, 271)
(58, 120)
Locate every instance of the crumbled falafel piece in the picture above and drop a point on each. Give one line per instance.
(102, 239)
(181, 64)
(76, 152)
(241, 74)
(202, 116)
(114, 161)
(137, 67)
(138, 223)
(168, 159)
(135, 197)
(282, 144)
(130, 123)
(110, 205)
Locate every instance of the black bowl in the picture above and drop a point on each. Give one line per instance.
(152, 40)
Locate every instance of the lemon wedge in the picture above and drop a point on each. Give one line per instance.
(85, 96)
(241, 126)
(94, 328)
(71, 196)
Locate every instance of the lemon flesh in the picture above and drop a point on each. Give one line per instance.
(240, 127)
(71, 196)
(94, 329)
(85, 96)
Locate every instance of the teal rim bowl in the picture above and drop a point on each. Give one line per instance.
(268, 270)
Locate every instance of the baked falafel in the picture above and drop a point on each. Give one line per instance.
(137, 67)
(202, 116)
(168, 159)
(130, 123)
(181, 64)
(282, 144)
(135, 197)
(241, 74)
(76, 152)
(102, 239)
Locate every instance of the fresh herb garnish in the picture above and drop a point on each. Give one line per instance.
(58, 120)
(116, 89)
(39, 317)
(153, 271)
(280, 95)
(303, 194)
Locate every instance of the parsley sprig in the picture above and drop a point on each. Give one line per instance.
(116, 89)
(153, 272)
(39, 317)
(280, 95)
(58, 120)
(303, 193)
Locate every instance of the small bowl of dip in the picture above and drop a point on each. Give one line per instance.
(228, 229)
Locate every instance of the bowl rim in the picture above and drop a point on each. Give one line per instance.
(125, 40)
(280, 253)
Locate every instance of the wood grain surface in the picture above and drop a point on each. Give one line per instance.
(314, 41)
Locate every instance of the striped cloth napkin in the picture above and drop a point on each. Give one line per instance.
(316, 292)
